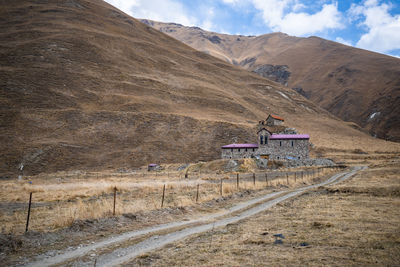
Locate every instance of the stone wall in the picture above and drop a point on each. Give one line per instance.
(273, 122)
(281, 149)
(238, 153)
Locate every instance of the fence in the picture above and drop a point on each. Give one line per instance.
(216, 185)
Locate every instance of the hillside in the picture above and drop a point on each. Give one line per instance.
(353, 84)
(85, 86)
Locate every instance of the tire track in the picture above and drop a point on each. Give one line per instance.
(121, 255)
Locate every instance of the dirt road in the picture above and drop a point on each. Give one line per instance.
(119, 249)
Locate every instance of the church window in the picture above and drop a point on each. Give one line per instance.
(261, 139)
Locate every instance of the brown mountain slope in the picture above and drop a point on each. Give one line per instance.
(85, 86)
(351, 83)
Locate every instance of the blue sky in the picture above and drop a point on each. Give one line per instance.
(369, 24)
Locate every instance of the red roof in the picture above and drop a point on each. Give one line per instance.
(276, 117)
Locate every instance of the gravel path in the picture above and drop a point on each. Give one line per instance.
(122, 255)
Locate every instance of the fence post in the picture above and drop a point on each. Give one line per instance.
(237, 180)
(163, 194)
(197, 193)
(115, 196)
(295, 176)
(254, 179)
(266, 179)
(29, 212)
(220, 188)
(287, 178)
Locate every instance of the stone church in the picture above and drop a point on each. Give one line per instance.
(274, 141)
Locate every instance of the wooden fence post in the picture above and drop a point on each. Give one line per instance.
(295, 176)
(287, 178)
(266, 179)
(115, 197)
(163, 195)
(197, 193)
(237, 180)
(220, 188)
(29, 212)
(254, 179)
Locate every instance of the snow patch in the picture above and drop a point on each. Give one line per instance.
(285, 96)
(373, 115)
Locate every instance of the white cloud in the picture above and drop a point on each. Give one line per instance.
(383, 29)
(281, 15)
(159, 10)
(343, 41)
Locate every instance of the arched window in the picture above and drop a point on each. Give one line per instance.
(292, 143)
(266, 139)
(261, 139)
(280, 143)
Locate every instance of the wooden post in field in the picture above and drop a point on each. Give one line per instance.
(287, 178)
(163, 195)
(295, 176)
(237, 180)
(197, 193)
(254, 179)
(301, 175)
(29, 212)
(220, 188)
(115, 198)
(266, 179)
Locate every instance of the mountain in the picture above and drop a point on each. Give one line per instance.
(85, 86)
(354, 84)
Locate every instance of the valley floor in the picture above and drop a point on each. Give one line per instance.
(353, 222)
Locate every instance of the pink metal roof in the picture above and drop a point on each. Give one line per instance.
(289, 136)
(241, 146)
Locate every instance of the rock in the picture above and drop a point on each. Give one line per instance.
(277, 73)
(232, 165)
(261, 163)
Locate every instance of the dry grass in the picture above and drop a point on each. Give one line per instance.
(57, 202)
(354, 223)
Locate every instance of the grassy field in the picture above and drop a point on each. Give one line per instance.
(61, 199)
(352, 223)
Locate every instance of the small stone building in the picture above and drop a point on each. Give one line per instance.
(274, 120)
(275, 146)
(238, 151)
(153, 167)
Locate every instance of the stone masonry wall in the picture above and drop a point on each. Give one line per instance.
(235, 153)
(280, 149)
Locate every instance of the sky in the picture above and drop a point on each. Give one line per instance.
(369, 24)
